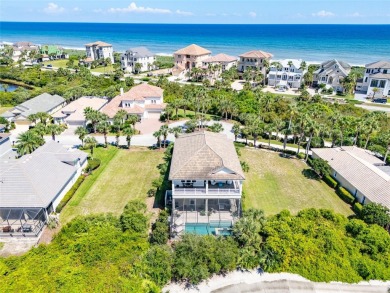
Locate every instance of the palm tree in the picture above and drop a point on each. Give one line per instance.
(176, 104)
(303, 66)
(27, 142)
(374, 90)
(121, 116)
(128, 132)
(311, 129)
(81, 132)
(54, 129)
(236, 129)
(33, 118)
(269, 128)
(40, 129)
(90, 142)
(43, 117)
(176, 131)
(132, 119)
(94, 116)
(137, 67)
(164, 133)
(104, 128)
(157, 134)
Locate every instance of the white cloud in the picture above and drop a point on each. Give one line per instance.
(76, 9)
(252, 14)
(185, 13)
(323, 13)
(53, 8)
(139, 9)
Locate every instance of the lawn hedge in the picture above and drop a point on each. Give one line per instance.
(357, 208)
(70, 194)
(345, 195)
(93, 164)
(330, 181)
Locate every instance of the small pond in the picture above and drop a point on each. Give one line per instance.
(10, 87)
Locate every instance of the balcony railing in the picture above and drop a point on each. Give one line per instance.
(203, 191)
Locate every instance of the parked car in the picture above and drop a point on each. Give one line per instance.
(380, 100)
(49, 66)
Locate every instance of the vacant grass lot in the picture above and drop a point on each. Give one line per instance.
(103, 69)
(60, 63)
(122, 176)
(274, 183)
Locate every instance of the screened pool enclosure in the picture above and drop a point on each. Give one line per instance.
(21, 221)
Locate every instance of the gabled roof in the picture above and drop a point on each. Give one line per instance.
(35, 180)
(140, 52)
(205, 155)
(379, 64)
(220, 58)
(328, 66)
(256, 54)
(194, 50)
(75, 109)
(99, 44)
(361, 169)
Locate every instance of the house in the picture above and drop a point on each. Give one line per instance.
(289, 74)
(207, 183)
(359, 171)
(331, 73)
(136, 55)
(143, 100)
(376, 76)
(73, 113)
(224, 62)
(253, 60)
(5, 144)
(99, 50)
(189, 57)
(3, 128)
(53, 51)
(20, 48)
(33, 186)
(43, 103)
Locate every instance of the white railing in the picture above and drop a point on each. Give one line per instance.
(203, 191)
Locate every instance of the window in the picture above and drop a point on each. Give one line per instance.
(368, 71)
(366, 79)
(188, 56)
(382, 84)
(153, 101)
(374, 83)
(385, 71)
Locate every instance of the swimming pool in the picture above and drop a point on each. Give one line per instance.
(225, 228)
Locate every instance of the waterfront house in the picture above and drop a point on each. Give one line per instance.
(359, 171)
(253, 60)
(286, 73)
(207, 180)
(33, 186)
(189, 57)
(331, 73)
(43, 103)
(376, 76)
(144, 100)
(219, 63)
(99, 50)
(73, 113)
(53, 51)
(23, 49)
(140, 55)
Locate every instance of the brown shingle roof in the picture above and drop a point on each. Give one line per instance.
(99, 44)
(360, 169)
(203, 155)
(257, 54)
(193, 50)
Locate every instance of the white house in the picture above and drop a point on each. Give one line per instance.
(23, 47)
(377, 75)
(143, 100)
(331, 73)
(207, 180)
(189, 57)
(136, 55)
(253, 60)
(287, 74)
(99, 50)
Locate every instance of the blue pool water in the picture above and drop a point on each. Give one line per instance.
(208, 228)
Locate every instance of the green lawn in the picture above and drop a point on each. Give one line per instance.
(104, 69)
(4, 109)
(58, 63)
(122, 176)
(191, 114)
(274, 183)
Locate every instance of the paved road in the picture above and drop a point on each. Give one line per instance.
(374, 108)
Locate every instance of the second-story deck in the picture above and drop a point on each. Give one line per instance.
(217, 188)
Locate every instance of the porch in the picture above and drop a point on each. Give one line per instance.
(203, 187)
(21, 221)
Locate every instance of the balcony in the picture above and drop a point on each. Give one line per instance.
(216, 188)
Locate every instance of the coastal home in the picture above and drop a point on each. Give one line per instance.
(33, 186)
(99, 50)
(253, 60)
(5, 144)
(143, 100)
(53, 51)
(207, 183)
(220, 62)
(42, 103)
(331, 73)
(23, 49)
(286, 73)
(376, 76)
(73, 113)
(140, 55)
(189, 57)
(359, 171)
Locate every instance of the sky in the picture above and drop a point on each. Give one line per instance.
(199, 11)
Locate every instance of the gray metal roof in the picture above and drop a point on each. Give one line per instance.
(35, 180)
(140, 52)
(205, 155)
(379, 64)
(42, 103)
(328, 66)
(361, 170)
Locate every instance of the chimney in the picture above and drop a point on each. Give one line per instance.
(121, 91)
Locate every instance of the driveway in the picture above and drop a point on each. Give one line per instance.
(148, 126)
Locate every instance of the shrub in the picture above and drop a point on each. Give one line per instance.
(330, 181)
(69, 194)
(357, 208)
(160, 229)
(134, 222)
(345, 195)
(93, 164)
(250, 144)
(374, 213)
(301, 156)
(158, 260)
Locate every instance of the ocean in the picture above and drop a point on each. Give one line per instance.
(356, 44)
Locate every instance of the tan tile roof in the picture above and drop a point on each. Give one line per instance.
(194, 50)
(256, 54)
(361, 169)
(220, 58)
(99, 44)
(379, 64)
(137, 93)
(156, 106)
(202, 155)
(76, 108)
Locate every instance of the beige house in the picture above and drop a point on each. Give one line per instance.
(224, 61)
(189, 57)
(143, 100)
(207, 183)
(253, 60)
(99, 50)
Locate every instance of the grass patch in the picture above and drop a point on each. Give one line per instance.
(4, 109)
(277, 142)
(191, 114)
(104, 69)
(1, 245)
(274, 183)
(123, 175)
(61, 63)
